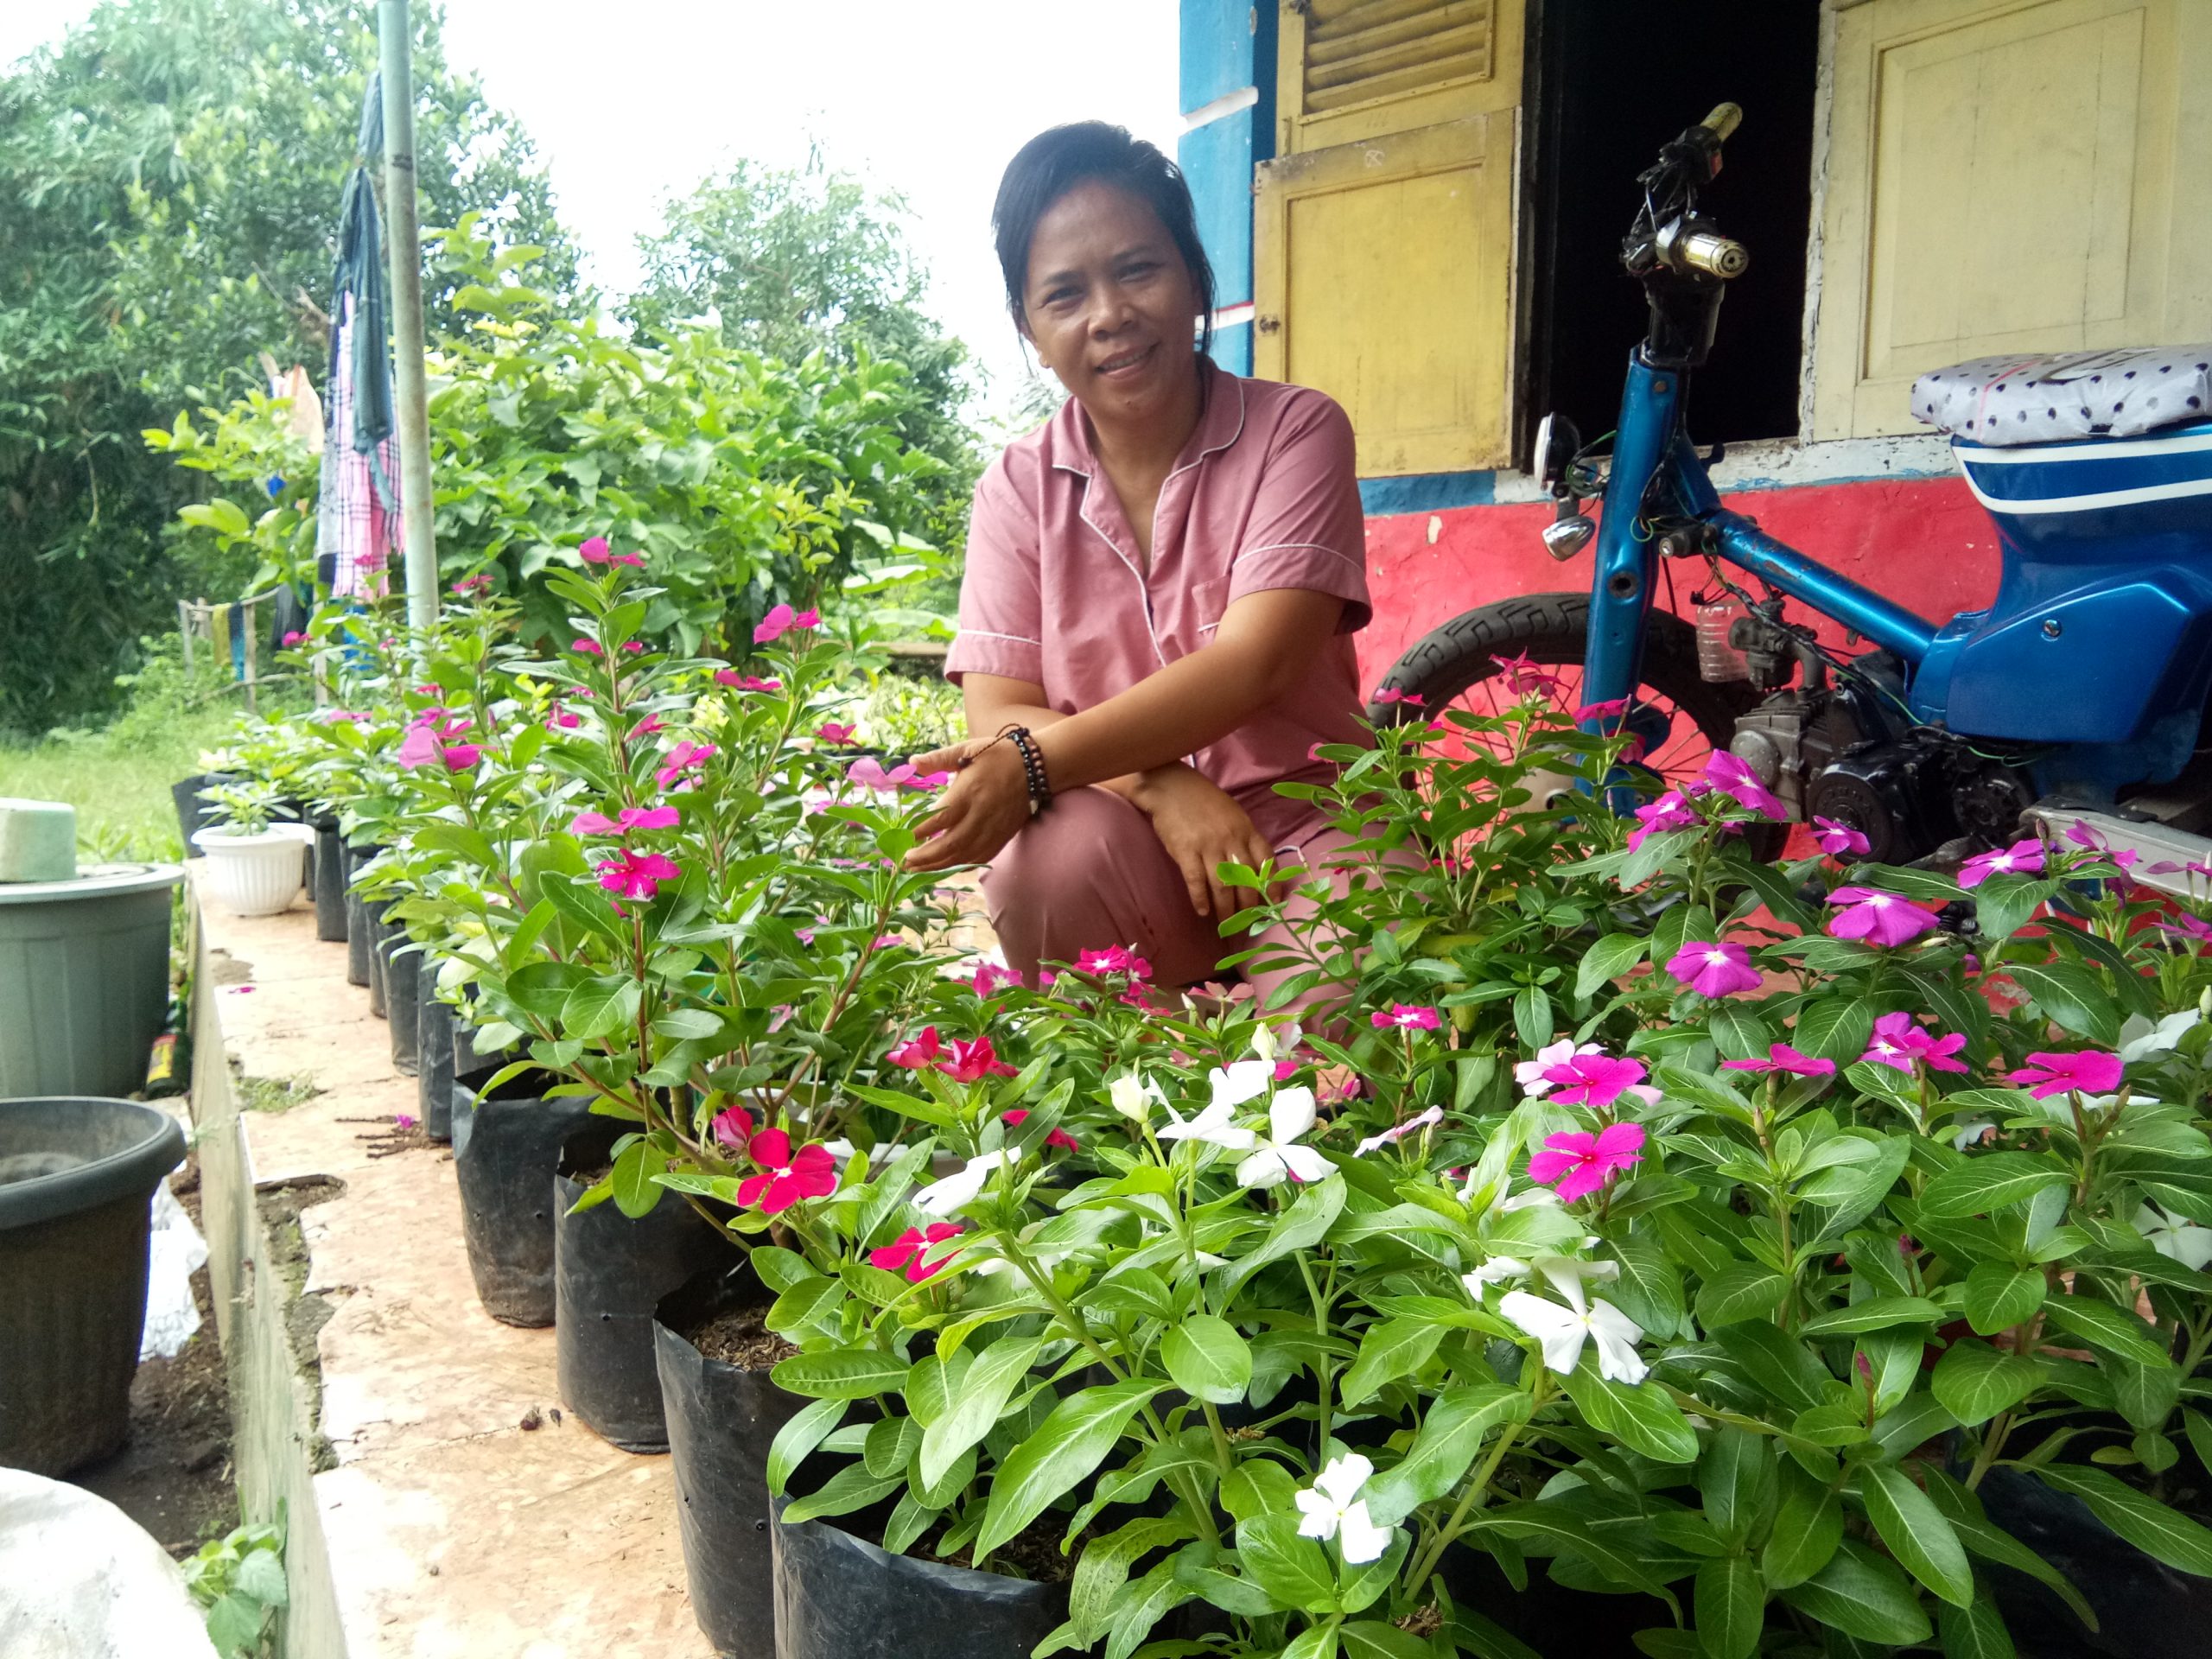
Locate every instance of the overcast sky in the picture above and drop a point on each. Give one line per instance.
(634, 102)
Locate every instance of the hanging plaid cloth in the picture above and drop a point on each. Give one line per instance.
(357, 520)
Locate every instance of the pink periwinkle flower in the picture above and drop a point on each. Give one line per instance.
(589, 648)
(461, 757)
(631, 874)
(2183, 924)
(593, 551)
(2021, 858)
(1114, 959)
(1839, 840)
(1578, 1162)
(480, 583)
(1596, 1080)
(910, 1252)
(1385, 695)
(968, 1061)
(1715, 968)
(1780, 1056)
(1524, 678)
(1898, 1041)
(1670, 811)
(730, 677)
(1877, 917)
(1610, 709)
(1059, 1138)
(733, 1127)
(634, 646)
(782, 620)
(837, 736)
(633, 818)
(869, 773)
(647, 726)
(353, 716)
(990, 976)
(1404, 1016)
(785, 1176)
(2088, 1070)
(683, 757)
(1728, 775)
(295, 638)
(918, 1053)
(562, 720)
(2082, 835)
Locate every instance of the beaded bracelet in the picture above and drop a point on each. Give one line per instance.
(1033, 767)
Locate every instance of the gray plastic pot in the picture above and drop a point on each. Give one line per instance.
(84, 980)
(76, 1180)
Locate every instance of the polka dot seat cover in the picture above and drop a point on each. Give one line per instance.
(2121, 393)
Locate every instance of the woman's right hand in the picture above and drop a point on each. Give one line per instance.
(1203, 828)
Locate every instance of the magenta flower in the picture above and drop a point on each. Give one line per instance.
(593, 551)
(837, 736)
(971, 1061)
(1724, 773)
(745, 682)
(1899, 1042)
(294, 637)
(1877, 917)
(478, 583)
(1524, 678)
(634, 646)
(633, 817)
(1596, 1080)
(1610, 709)
(910, 1252)
(1781, 1057)
(733, 1127)
(647, 726)
(868, 771)
(684, 757)
(1059, 1138)
(785, 1177)
(461, 757)
(2086, 1071)
(1670, 811)
(990, 976)
(2021, 858)
(2082, 835)
(636, 875)
(1114, 959)
(589, 648)
(1579, 1162)
(780, 620)
(918, 1053)
(1714, 968)
(1404, 1016)
(561, 720)
(1839, 840)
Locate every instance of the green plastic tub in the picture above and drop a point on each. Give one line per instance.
(84, 980)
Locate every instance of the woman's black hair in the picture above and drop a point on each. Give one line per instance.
(1055, 162)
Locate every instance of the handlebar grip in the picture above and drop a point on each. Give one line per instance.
(1713, 254)
(1724, 120)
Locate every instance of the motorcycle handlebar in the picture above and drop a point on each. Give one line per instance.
(1724, 120)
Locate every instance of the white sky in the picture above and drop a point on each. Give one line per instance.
(632, 103)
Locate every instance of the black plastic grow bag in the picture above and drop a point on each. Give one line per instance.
(610, 1272)
(433, 1056)
(505, 1149)
(402, 994)
(329, 880)
(721, 1420)
(76, 1180)
(2145, 1610)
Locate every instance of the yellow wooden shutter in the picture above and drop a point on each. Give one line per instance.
(2008, 177)
(1382, 232)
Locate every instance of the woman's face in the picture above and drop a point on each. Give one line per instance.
(1109, 305)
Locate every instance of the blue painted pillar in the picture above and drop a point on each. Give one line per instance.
(1228, 99)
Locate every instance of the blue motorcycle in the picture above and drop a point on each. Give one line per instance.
(2076, 698)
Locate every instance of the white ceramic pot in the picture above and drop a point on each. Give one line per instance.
(255, 875)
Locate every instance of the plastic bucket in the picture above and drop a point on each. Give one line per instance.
(84, 980)
(254, 875)
(76, 1180)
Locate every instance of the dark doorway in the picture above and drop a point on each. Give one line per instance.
(1613, 80)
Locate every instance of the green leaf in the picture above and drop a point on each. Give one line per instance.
(261, 1576)
(1300, 1227)
(1917, 1533)
(1485, 1639)
(1974, 1382)
(1736, 1479)
(890, 1447)
(1835, 1028)
(1256, 1486)
(1746, 1291)
(1293, 1570)
(851, 1488)
(1873, 1313)
(1644, 1418)
(2162, 1533)
(1070, 1444)
(1989, 1182)
(599, 1006)
(841, 1374)
(1390, 1349)
(799, 1437)
(1974, 1632)
(1555, 1525)
(1532, 1016)
(778, 1268)
(1370, 1639)
(2000, 1296)
(1318, 1642)
(1780, 1364)
(1738, 1034)
(1104, 1568)
(2073, 996)
(1808, 1526)
(1962, 1508)
(990, 1382)
(1863, 1594)
(1443, 1449)
(1731, 1607)
(2111, 1329)
(1207, 1359)
(636, 1192)
(1606, 961)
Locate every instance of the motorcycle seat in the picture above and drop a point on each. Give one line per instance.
(2123, 392)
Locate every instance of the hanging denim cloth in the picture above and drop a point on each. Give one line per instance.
(357, 520)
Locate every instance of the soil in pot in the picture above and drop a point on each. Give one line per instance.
(713, 1354)
(76, 1180)
(610, 1273)
(506, 1146)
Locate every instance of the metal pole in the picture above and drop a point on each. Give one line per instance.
(404, 239)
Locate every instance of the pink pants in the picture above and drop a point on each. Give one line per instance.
(1090, 872)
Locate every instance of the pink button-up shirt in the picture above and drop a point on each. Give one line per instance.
(1266, 494)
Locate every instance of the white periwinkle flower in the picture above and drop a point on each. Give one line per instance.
(1529, 1074)
(1333, 1508)
(1215, 1126)
(2140, 1038)
(1496, 1271)
(2180, 1240)
(1290, 1115)
(1391, 1137)
(1271, 1045)
(1132, 1097)
(1240, 1081)
(1560, 1332)
(959, 1189)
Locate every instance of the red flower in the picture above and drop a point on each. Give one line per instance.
(636, 875)
(1059, 1138)
(785, 1177)
(910, 1250)
(918, 1053)
(734, 1128)
(971, 1061)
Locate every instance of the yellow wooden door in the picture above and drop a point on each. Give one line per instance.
(1382, 232)
(2008, 177)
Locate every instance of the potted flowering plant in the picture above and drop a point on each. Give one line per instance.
(254, 865)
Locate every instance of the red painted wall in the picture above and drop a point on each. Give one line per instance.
(1923, 543)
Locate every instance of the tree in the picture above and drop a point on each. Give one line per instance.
(169, 177)
(809, 260)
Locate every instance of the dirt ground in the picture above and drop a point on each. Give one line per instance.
(174, 1478)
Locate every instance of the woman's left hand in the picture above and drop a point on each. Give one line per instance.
(984, 806)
